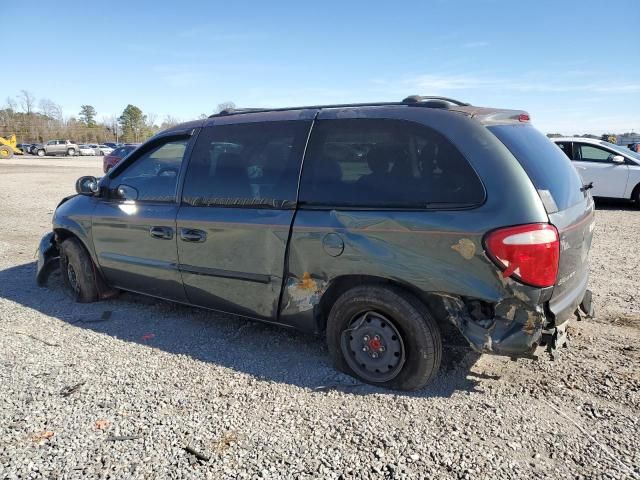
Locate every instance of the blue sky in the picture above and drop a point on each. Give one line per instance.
(574, 65)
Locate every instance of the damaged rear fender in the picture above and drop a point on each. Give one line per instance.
(509, 327)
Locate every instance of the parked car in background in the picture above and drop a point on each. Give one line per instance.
(373, 225)
(115, 156)
(613, 169)
(56, 147)
(24, 147)
(112, 145)
(101, 149)
(86, 150)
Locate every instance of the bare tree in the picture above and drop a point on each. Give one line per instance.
(169, 121)
(27, 101)
(51, 109)
(11, 103)
(225, 106)
(151, 120)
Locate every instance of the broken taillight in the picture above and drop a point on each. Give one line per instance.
(528, 253)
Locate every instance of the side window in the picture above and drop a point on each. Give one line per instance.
(154, 174)
(51, 142)
(246, 164)
(385, 163)
(566, 148)
(589, 153)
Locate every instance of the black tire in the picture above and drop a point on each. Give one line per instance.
(421, 343)
(5, 152)
(71, 152)
(635, 196)
(40, 152)
(78, 272)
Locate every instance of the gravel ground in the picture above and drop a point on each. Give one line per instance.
(139, 388)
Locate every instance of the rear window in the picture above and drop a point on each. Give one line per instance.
(550, 170)
(386, 163)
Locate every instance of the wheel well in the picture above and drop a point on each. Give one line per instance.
(432, 301)
(62, 234)
(104, 290)
(634, 192)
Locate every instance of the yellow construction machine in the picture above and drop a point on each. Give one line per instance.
(8, 147)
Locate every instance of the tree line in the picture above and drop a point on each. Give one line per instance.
(34, 121)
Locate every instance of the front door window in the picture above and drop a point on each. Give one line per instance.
(154, 174)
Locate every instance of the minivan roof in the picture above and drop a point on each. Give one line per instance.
(485, 115)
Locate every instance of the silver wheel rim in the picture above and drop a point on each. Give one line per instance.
(373, 347)
(73, 278)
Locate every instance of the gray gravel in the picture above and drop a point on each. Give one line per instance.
(138, 388)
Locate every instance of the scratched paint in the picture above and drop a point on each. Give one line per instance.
(465, 247)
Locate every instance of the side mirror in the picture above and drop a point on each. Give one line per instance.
(125, 192)
(87, 185)
(617, 159)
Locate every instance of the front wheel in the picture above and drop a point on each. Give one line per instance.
(78, 272)
(5, 152)
(71, 152)
(385, 337)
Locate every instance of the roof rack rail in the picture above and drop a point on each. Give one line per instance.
(234, 111)
(413, 100)
(418, 99)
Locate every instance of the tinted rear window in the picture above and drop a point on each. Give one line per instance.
(385, 163)
(549, 169)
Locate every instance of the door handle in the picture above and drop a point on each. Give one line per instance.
(163, 233)
(192, 235)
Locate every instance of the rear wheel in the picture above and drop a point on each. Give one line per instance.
(5, 152)
(385, 337)
(78, 272)
(71, 152)
(635, 196)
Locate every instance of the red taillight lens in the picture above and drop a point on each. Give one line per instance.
(529, 253)
(524, 117)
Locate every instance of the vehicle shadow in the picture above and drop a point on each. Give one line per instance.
(614, 204)
(267, 352)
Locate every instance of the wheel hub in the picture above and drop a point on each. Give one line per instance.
(373, 347)
(73, 278)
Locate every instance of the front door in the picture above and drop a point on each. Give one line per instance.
(594, 164)
(134, 228)
(238, 203)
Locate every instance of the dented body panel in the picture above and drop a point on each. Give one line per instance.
(426, 253)
(438, 255)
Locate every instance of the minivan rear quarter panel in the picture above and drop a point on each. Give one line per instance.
(434, 251)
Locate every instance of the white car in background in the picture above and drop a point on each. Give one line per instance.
(101, 149)
(86, 150)
(613, 169)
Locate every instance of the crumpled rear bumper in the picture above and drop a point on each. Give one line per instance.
(516, 328)
(48, 258)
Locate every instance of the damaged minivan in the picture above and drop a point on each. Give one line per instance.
(374, 225)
